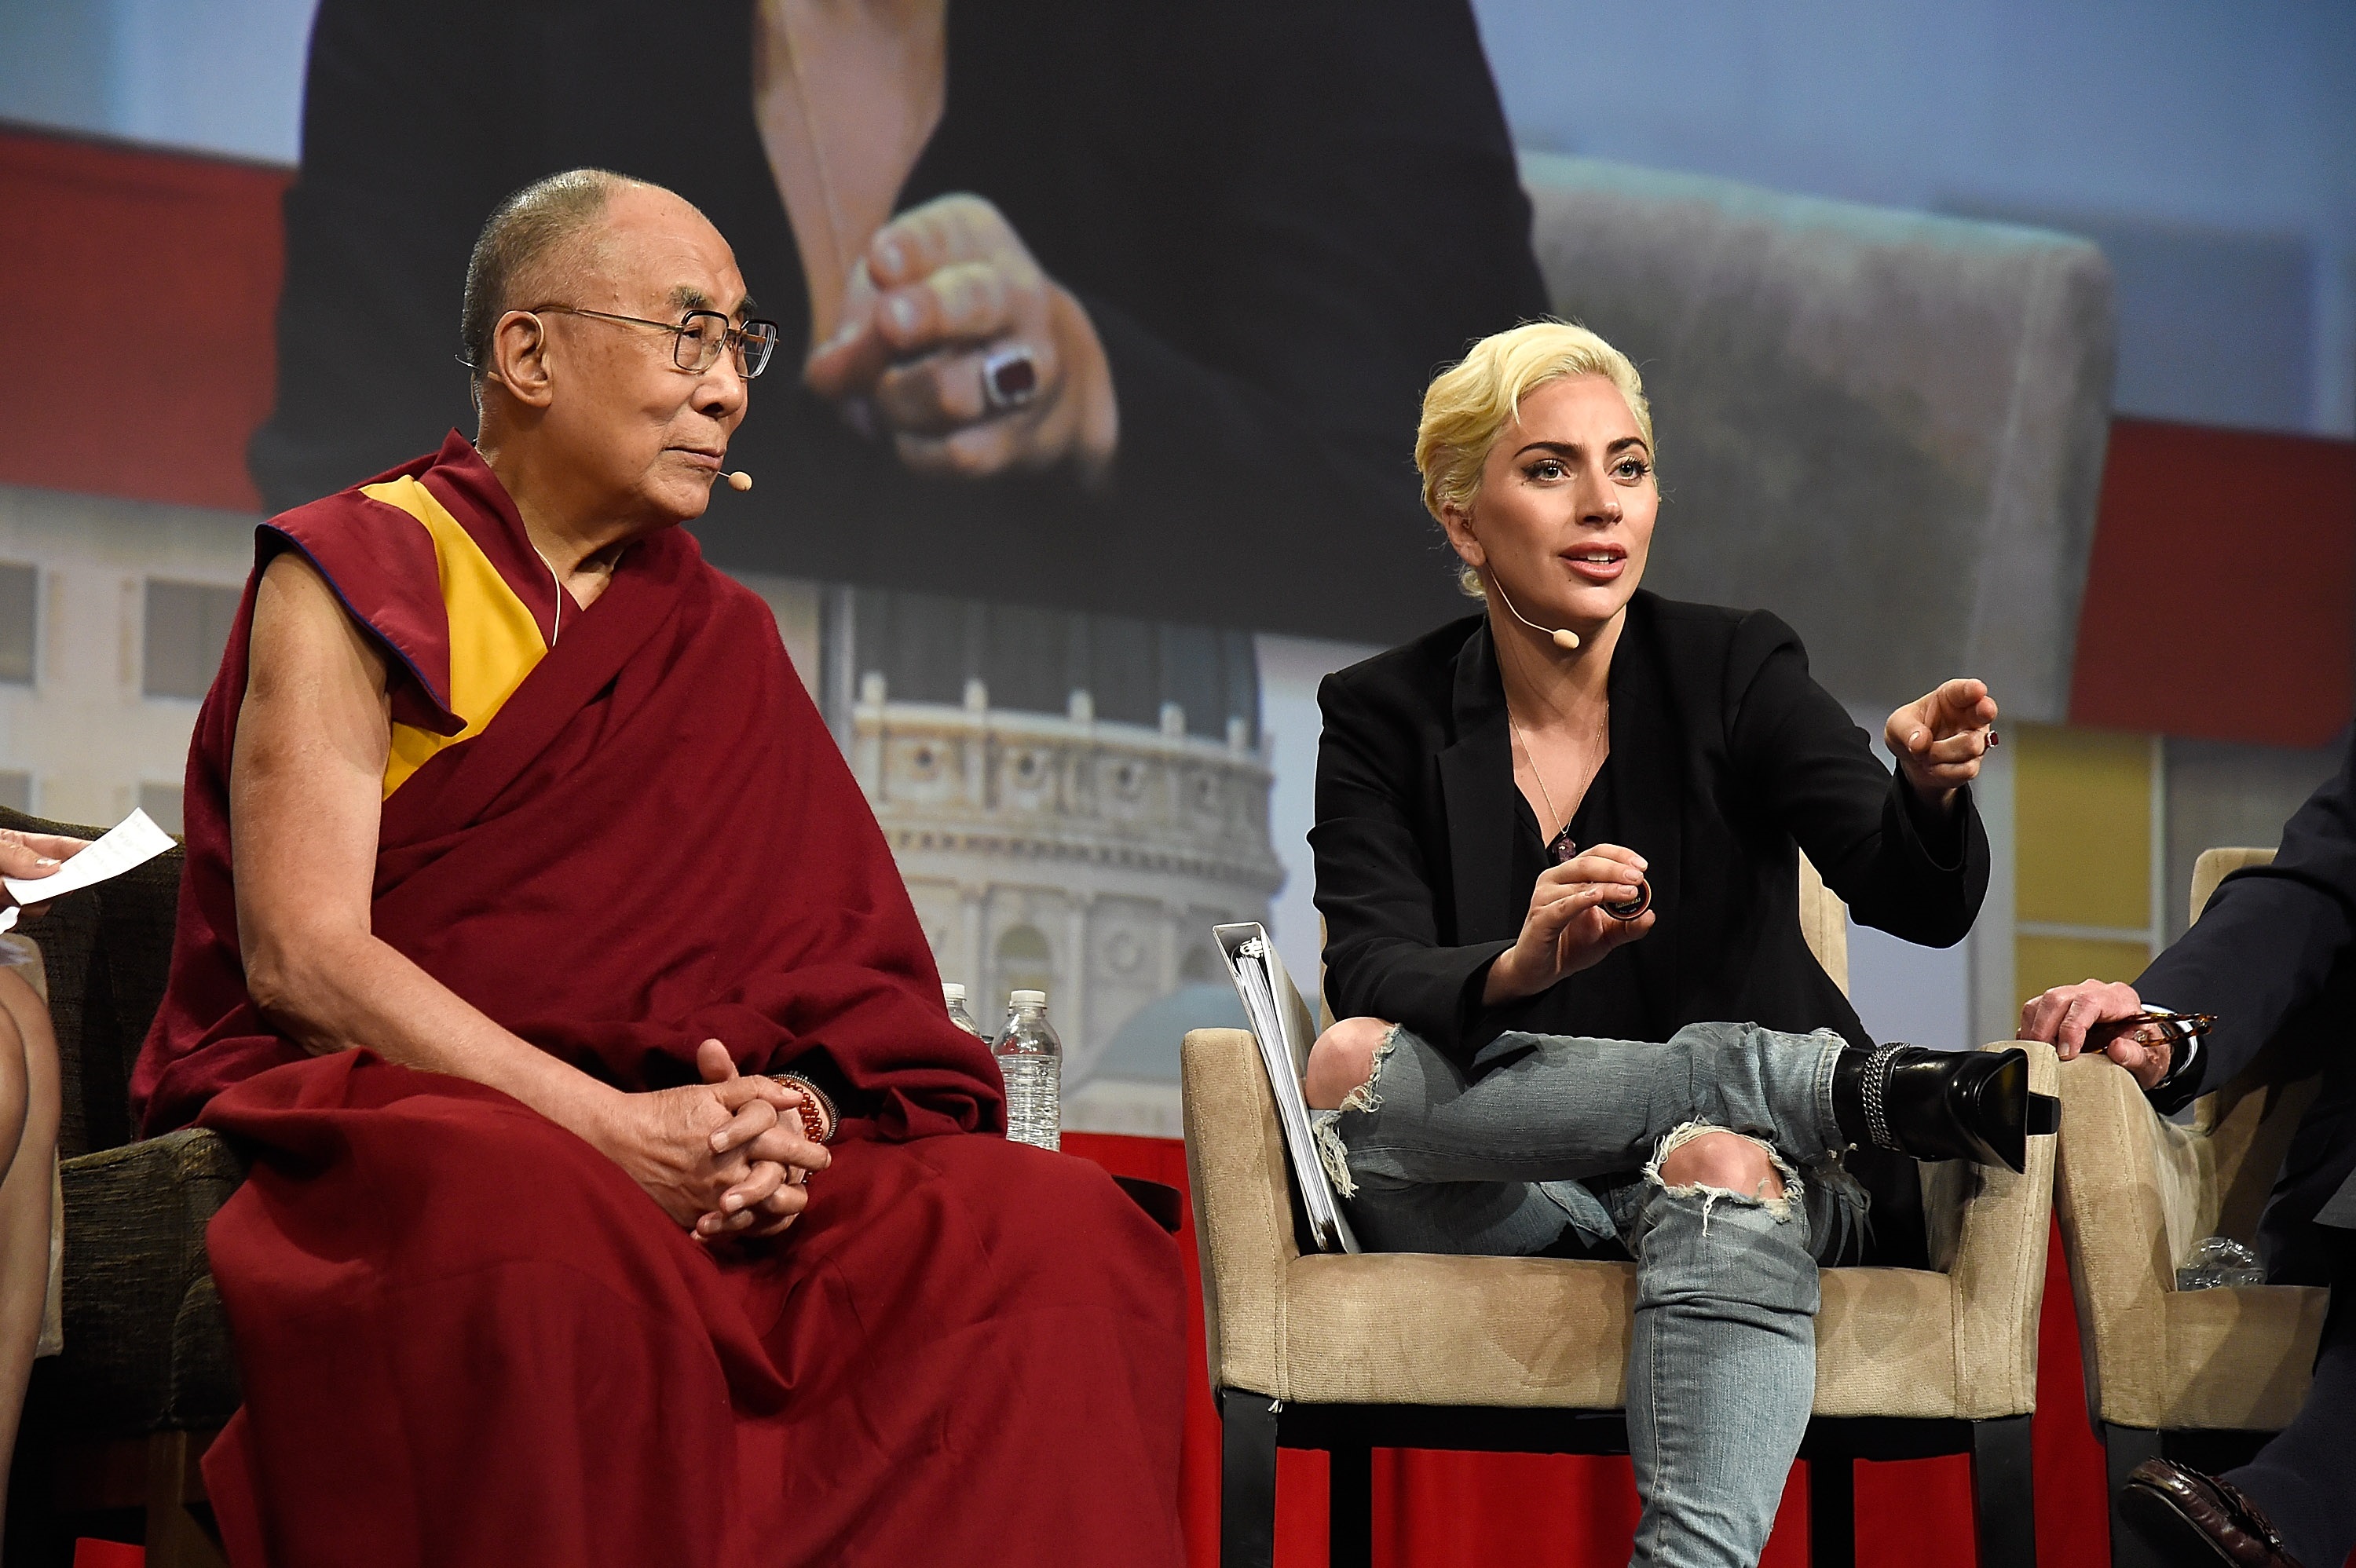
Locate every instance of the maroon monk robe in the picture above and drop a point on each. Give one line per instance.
(467, 1337)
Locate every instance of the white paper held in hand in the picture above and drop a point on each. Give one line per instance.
(132, 842)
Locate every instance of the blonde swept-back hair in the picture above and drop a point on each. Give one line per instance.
(1470, 404)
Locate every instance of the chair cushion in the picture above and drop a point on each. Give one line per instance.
(1419, 1328)
(146, 1345)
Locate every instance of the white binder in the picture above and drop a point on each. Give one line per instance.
(1286, 1029)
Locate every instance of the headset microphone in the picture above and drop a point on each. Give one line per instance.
(740, 480)
(1564, 637)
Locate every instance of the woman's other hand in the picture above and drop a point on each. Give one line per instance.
(34, 855)
(1566, 929)
(1940, 739)
(944, 290)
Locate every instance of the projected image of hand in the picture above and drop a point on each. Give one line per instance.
(952, 343)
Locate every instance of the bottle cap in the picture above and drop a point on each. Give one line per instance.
(1026, 998)
(952, 992)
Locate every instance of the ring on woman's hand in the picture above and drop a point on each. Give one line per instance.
(1010, 378)
(1634, 907)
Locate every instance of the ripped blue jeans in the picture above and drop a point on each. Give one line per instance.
(1554, 1143)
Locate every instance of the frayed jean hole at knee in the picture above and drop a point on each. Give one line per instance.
(1325, 1126)
(1366, 1096)
(1779, 1207)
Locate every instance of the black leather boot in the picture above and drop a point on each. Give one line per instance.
(1941, 1104)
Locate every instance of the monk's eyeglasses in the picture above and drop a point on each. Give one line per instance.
(697, 338)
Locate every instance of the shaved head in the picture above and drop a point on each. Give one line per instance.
(589, 406)
(536, 245)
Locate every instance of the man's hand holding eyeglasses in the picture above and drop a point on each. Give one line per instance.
(974, 361)
(2105, 1016)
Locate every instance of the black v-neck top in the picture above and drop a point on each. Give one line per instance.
(1608, 998)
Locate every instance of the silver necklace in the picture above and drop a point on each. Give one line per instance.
(783, 11)
(1558, 824)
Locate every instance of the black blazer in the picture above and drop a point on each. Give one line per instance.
(1727, 760)
(2274, 956)
(1280, 218)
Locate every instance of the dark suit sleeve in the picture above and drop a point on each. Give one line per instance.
(404, 154)
(1900, 868)
(2269, 942)
(1377, 889)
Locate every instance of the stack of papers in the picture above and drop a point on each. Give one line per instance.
(1285, 1028)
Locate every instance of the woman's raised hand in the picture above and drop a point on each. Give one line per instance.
(1939, 739)
(1566, 929)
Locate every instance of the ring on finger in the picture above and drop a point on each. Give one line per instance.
(1634, 907)
(1010, 378)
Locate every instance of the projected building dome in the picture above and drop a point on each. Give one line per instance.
(1074, 800)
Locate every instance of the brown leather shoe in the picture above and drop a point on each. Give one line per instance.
(2195, 1519)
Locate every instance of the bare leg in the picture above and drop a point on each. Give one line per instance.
(1342, 1060)
(28, 1142)
(1727, 1161)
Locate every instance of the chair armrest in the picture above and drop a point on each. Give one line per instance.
(1988, 1235)
(1243, 1206)
(145, 1342)
(2135, 1191)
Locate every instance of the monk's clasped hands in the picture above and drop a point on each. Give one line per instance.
(726, 1159)
(1939, 739)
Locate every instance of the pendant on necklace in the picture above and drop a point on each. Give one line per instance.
(1561, 851)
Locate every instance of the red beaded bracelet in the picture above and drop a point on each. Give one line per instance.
(817, 1110)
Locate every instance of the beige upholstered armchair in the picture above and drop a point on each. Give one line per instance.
(2206, 1373)
(1406, 1350)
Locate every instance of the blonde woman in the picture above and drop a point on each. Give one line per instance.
(1558, 838)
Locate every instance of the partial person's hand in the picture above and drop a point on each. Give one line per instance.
(776, 1190)
(34, 855)
(689, 1147)
(939, 320)
(1939, 740)
(1566, 929)
(2105, 1016)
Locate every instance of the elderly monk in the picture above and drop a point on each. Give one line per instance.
(518, 860)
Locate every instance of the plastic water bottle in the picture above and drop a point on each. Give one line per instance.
(954, 994)
(1030, 1060)
(2220, 1261)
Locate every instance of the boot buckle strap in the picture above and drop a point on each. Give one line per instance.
(1876, 1110)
